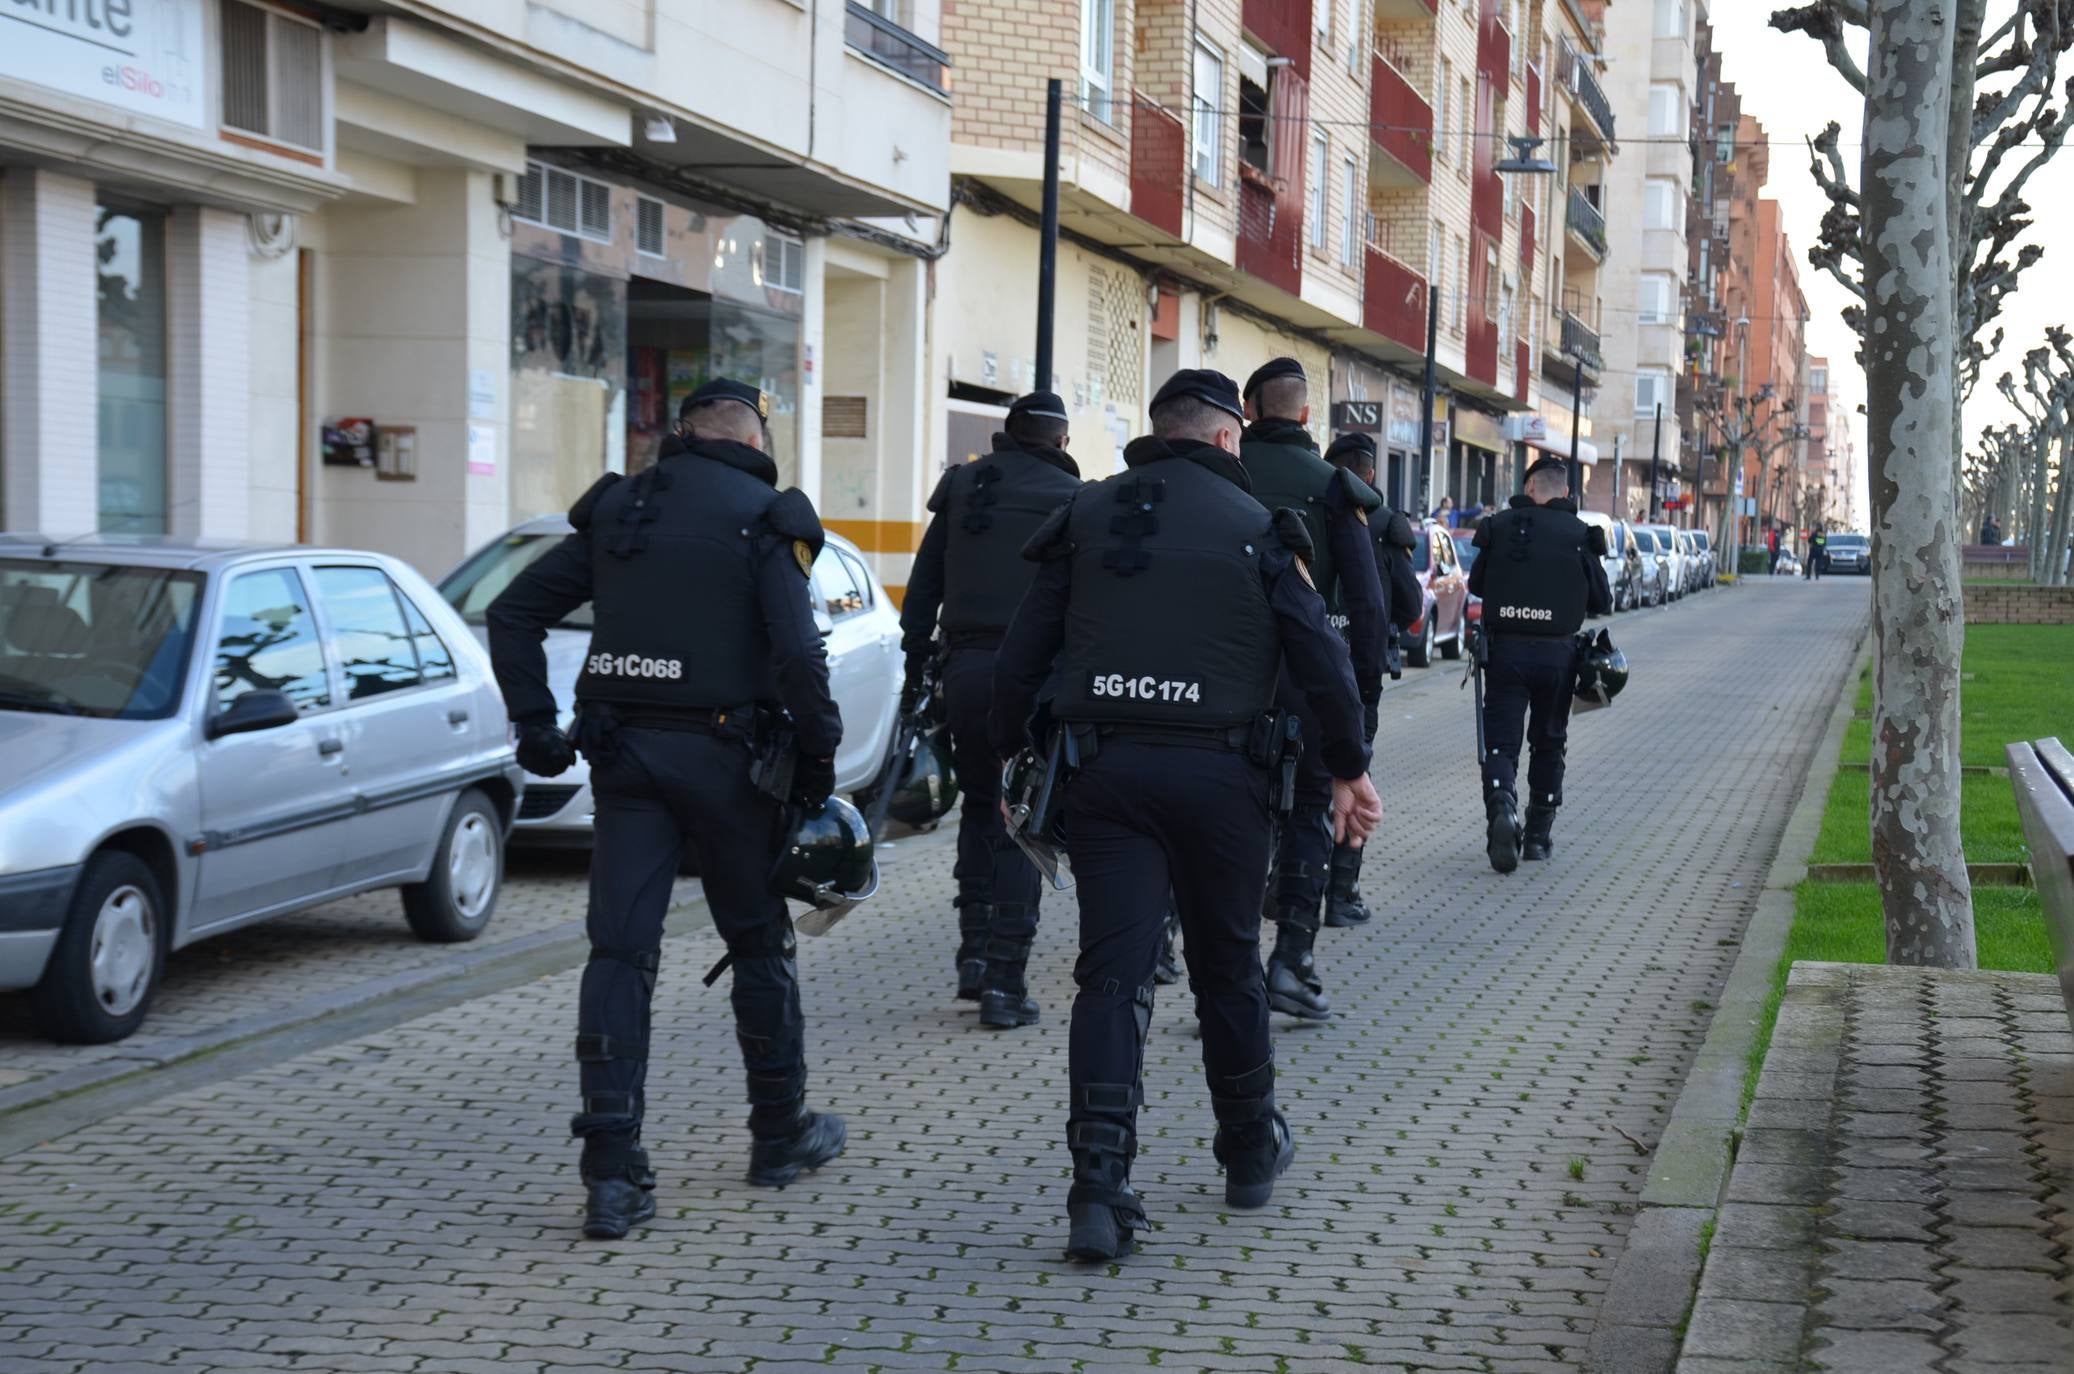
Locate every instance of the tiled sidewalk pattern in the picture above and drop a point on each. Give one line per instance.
(1472, 1124)
(1903, 1199)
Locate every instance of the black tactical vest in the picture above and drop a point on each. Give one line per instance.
(1286, 471)
(1534, 575)
(991, 508)
(1169, 623)
(675, 620)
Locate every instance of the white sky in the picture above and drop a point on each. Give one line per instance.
(1789, 86)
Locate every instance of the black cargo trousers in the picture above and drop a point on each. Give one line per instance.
(991, 871)
(659, 793)
(1529, 683)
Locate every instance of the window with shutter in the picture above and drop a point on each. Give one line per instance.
(648, 225)
(273, 77)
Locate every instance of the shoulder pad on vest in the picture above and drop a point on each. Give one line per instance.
(1599, 546)
(941, 497)
(580, 513)
(792, 516)
(1294, 534)
(1359, 494)
(1052, 540)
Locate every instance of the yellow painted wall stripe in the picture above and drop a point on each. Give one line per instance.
(882, 536)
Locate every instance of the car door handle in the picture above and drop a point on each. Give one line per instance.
(457, 716)
(328, 747)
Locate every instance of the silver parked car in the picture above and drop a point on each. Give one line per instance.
(1703, 548)
(198, 737)
(1653, 567)
(855, 614)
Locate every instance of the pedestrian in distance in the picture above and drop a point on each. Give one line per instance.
(1287, 472)
(1771, 543)
(970, 575)
(1395, 541)
(1166, 599)
(1990, 532)
(677, 715)
(1444, 513)
(1540, 576)
(1818, 554)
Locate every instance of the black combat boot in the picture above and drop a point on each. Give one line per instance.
(815, 1138)
(1253, 1142)
(1005, 1002)
(1168, 970)
(1538, 842)
(1501, 811)
(1101, 1209)
(973, 919)
(619, 1187)
(1343, 905)
(1293, 985)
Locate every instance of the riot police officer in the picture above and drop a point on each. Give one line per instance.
(1286, 471)
(1539, 576)
(1403, 601)
(1165, 599)
(970, 569)
(672, 696)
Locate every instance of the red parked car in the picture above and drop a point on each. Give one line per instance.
(1445, 579)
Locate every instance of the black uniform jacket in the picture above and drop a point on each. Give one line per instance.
(1598, 597)
(1314, 654)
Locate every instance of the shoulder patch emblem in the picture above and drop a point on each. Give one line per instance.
(803, 554)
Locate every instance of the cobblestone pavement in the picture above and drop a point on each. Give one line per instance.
(280, 966)
(1471, 1125)
(1903, 1199)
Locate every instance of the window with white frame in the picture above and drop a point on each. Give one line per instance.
(1209, 114)
(784, 263)
(1465, 118)
(1097, 56)
(1662, 206)
(1652, 389)
(648, 226)
(1318, 199)
(273, 76)
(1350, 211)
(1670, 18)
(1441, 97)
(557, 199)
(1666, 110)
(1657, 302)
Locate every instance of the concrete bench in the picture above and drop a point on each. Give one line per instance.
(2043, 776)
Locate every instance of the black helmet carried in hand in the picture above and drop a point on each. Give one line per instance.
(1034, 793)
(927, 788)
(1602, 671)
(828, 863)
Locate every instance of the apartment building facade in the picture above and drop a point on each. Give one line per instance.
(1242, 179)
(399, 273)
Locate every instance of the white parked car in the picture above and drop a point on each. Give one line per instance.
(864, 665)
(1677, 559)
(196, 738)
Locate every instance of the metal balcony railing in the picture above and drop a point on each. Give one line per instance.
(884, 41)
(1580, 340)
(1586, 221)
(1594, 100)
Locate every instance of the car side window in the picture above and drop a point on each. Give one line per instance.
(374, 645)
(861, 579)
(435, 660)
(835, 588)
(268, 641)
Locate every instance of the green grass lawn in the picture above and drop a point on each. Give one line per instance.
(2019, 690)
(1993, 832)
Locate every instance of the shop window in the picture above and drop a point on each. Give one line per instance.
(558, 199)
(784, 263)
(130, 307)
(648, 225)
(273, 76)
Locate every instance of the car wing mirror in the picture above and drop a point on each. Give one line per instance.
(260, 710)
(824, 623)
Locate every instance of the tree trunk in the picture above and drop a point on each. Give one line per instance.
(1918, 617)
(2041, 484)
(2062, 518)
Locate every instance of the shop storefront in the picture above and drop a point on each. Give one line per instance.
(610, 331)
(1473, 460)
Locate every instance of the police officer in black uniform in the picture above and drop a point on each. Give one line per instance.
(1539, 576)
(1286, 471)
(1403, 600)
(696, 570)
(971, 569)
(1167, 597)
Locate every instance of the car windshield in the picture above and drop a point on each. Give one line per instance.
(94, 639)
(1699, 540)
(471, 587)
(1645, 541)
(1847, 541)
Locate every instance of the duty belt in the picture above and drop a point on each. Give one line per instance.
(1234, 738)
(700, 720)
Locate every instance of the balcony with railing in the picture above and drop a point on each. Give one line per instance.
(1522, 367)
(1574, 74)
(1270, 242)
(1401, 122)
(1587, 223)
(1159, 165)
(892, 46)
(1579, 340)
(1394, 300)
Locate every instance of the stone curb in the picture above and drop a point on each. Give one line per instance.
(1653, 1284)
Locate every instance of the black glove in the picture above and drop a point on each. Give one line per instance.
(910, 695)
(1371, 718)
(543, 750)
(812, 780)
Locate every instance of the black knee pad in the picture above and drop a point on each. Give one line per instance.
(644, 962)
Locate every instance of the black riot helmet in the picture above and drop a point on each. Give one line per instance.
(928, 787)
(1034, 792)
(1602, 671)
(828, 863)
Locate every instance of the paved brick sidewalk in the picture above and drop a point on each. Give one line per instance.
(407, 1201)
(1903, 1199)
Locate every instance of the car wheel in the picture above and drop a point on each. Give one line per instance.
(456, 899)
(1420, 654)
(1453, 648)
(109, 956)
